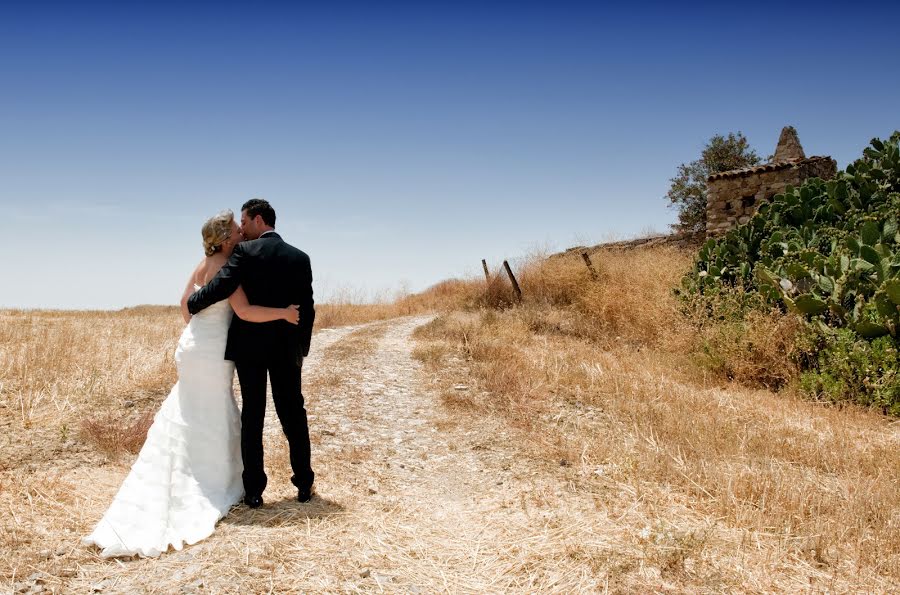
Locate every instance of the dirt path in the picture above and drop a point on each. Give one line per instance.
(410, 497)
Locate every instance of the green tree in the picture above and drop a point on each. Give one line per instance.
(688, 190)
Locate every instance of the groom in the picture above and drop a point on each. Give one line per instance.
(275, 274)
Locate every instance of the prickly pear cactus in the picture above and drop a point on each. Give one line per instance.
(828, 251)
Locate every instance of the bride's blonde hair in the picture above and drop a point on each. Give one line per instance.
(216, 230)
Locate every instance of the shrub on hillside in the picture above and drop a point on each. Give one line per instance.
(738, 336)
(849, 368)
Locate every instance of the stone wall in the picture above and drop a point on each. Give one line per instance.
(734, 197)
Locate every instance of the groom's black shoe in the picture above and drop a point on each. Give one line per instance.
(304, 494)
(253, 501)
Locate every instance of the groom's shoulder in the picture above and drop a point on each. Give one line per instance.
(296, 251)
(250, 246)
(294, 255)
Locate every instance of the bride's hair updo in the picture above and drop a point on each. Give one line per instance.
(216, 230)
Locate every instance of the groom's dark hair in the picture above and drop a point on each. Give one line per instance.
(258, 206)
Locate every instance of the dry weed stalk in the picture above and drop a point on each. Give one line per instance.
(116, 434)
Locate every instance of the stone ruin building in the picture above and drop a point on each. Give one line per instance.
(733, 196)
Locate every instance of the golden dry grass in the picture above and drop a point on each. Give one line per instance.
(690, 476)
(62, 375)
(442, 296)
(609, 375)
(52, 362)
(393, 512)
(78, 390)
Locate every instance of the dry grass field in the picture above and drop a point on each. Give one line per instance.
(594, 437)
(732, 486)
(78, 391)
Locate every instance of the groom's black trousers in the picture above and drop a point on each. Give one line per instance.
(284, 374)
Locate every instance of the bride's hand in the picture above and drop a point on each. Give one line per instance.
(292, 314)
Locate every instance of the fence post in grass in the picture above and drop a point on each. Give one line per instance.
(590, 265)
(487, 273)
(512, 278)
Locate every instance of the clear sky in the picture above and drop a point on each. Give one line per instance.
(399, 143)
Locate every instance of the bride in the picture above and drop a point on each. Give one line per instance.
(188, 473)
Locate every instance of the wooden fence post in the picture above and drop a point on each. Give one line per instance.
(512, 278)
(590, 265)
(487, 273)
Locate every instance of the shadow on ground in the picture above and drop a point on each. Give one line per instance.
(283, 512)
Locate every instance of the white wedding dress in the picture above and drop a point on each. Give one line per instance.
(188, 473)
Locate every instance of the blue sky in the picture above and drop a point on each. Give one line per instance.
(400, 143)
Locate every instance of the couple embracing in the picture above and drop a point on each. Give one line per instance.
(248, 307)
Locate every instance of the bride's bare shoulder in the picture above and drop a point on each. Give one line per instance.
(201, 271)
(209, 267)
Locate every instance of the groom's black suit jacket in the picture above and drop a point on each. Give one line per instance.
(275, 274)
